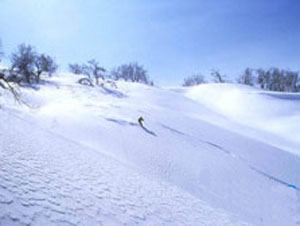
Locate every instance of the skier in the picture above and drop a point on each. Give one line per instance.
(140, 120)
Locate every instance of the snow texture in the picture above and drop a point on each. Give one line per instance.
(79, 156)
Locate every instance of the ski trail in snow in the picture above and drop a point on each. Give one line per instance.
(127, 123)
(172, 129)
(149, 131)
(274, 178)
(220, 148)
(253, 167)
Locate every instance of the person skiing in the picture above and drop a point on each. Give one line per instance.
(140, 120)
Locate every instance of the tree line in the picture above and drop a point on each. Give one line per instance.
(132, 72)
(27, 65)
(273, 79)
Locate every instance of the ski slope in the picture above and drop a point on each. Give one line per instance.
(79, 157)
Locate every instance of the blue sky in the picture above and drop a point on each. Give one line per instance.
(172, 39)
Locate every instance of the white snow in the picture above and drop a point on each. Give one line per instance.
(208, 155)
(275, 113)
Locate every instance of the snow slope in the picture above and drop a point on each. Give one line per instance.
(48, 180)
(272, 112)
(80, 150)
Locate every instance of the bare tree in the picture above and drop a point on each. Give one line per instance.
(27, 63)
(247, 77)
(23, 61)
(44, 63)
(121, 72)
(4, 84)
(75, 69)
(96, 70)
(261, 78)
(92, 69)
(194, 80)
(131, 72)
(292, 81)
(3, 80)
(217, 76)
(278, 80)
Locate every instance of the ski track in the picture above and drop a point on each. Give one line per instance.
(56, 182)
(251, 166)
(218, 147)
